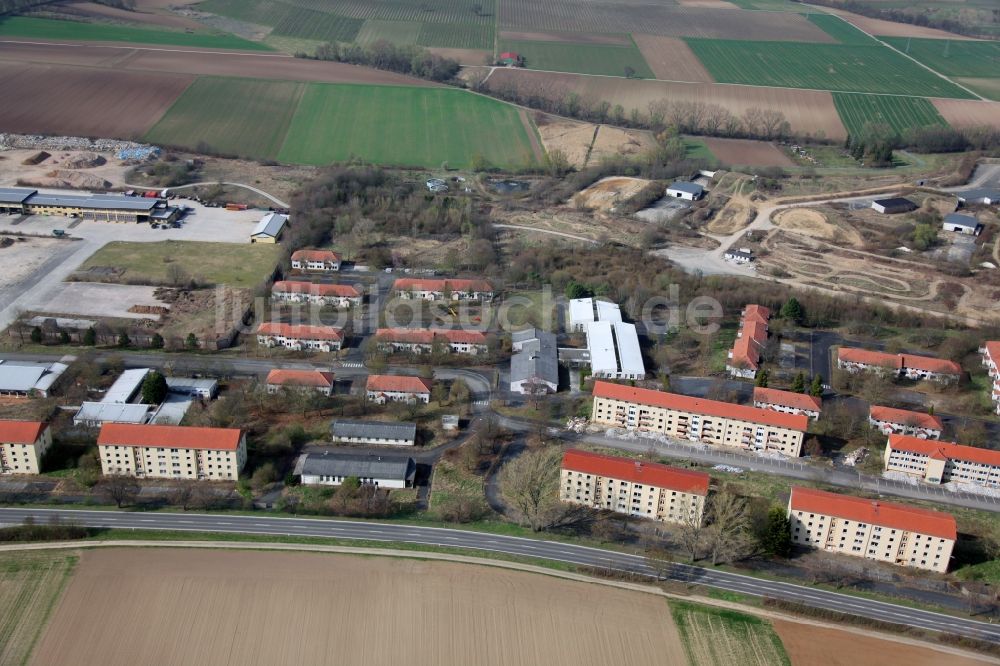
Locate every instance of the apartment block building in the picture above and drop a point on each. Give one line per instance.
(437, 289)
(297, 291)
(909, 366)
(872, 529)
(991, 358)
(698, 420)
(398, 388)
(172, 452)
(941, 462)
(905, 422)
(324, 261)
(634, 487)
(787, 402)
(22, 445)
(743, 360)
(428, 340)
(300, 337)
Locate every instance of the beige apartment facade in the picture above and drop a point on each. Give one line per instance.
(172, 452)
(872, 529)
(22, 445)
(641, 489)
(698, 420)
(942, 462)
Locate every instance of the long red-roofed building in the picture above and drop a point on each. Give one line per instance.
(300, 336)
(398, 388)
(744, 358)
(297, 291)
(941, 462)
(436, 289)
(991, 361)
(638, 488)
(171, 452)
(423, 340)
(325, 261)
(698, 419)
(787, 402)
(873, 529)
(300, 380)
(911, 366)
(22, 445)
(905, 422)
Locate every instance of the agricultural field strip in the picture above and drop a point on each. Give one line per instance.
(142, 47)
(609, 60)
(900, 113)
(952, 58)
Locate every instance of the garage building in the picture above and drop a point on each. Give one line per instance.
(98, 207)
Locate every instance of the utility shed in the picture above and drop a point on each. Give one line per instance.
(962, 224)
(893, 205)
(332, 469)
(269, 228)
(685, 190)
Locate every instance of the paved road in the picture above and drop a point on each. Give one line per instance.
(496, 543)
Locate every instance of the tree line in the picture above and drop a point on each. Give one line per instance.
(921, 18)
(406, 59)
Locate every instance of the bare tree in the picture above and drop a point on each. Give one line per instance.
(183, 495)
(727, 534)
(120, 489)
(691, 534)
(530, 485)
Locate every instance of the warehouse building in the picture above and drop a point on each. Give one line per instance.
(269, 229)
(613, 350)
(893, 206)
(961, 224)
(172, 452)
(23, 379)
(941, 462)
(379, 433)
(22, 445)
(95, 414)
(97, 207)
(196, 387)
(684, 190)
(534, 365)
(332, 469)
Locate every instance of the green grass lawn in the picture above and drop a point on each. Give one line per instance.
(230, 116)
(39, 28)
(580, 58)
(30, 586)
(836, 67)
(232, 264)
(899, 113)
(952, 57)
(720, 636)
(695, 149)
(404, 126)
(839, 29)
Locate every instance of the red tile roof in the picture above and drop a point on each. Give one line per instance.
(282, 377)
(434, 284)
(700, 406)
(930, 364)
(941, 450)
(300, 287)
(993, 350)
(165, 436)
(905, 417)
(752, 337)
(786, 398)
(398, 384)
(425, 336)
(636, 471)
(21, 432)
(868, 357)
(754, 312)
(300, 332)
(875, 512)
(315, 255)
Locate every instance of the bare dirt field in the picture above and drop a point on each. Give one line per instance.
(748, 153)
(82, 101)
(31, 254)
(874, 26)
(968, 112)
(613, 142)
(245, 608)
(811, 222)
(735, 215)
(808, 111)
(94, 299)
(808, 645)
(577, 139)
(671, 58)
(567, 37)
(463, 56)
(606, 193)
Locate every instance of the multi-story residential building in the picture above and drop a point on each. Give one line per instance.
(941, 462)
(428, 340)
(743, 360)
(337, 295)
(22, 445)
(324, 261)
(909, 366)
(172, 452)
(300, 380)
(300, 337)
(634, 487)
(991, 358)
(872, 529)
(398, 388)
(904, 422)
(787, 402)
(698, 419)
(436, 289)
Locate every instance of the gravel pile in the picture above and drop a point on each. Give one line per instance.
(30, 141)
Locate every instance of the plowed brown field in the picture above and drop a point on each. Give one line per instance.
(874, 26)
(968, 112)
(82, 101)
(241, 608)
(809, 111)
(94, 10)
(671, 58)
(747, 153)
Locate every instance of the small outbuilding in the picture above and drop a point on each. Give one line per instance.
(510, 59)
(332, 469)
(269, 229)
(893, 206)
(961, 224)
(685, 190)
(738, 256)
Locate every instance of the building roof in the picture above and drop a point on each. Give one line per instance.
(270, 225)
(426, 336)
(441, 284)
(378, 467)
(636, 471)
(537, 359)
(993, 349)
(752, 337)
(700, 405)
(608, 311)
(373, 429)
(601, 343)
(980, 193)
(509, 55)
(875, 512)
(962, 220)
(930, 364)
(787, 398)
(316, 255)
(21, 432)
(755, 312)
(169, 436)
(126, 386)
(20, 378)
(686, 187)
(944, 450)
(739, 254)
(16, 195)
(300, 331)
(629, 354)
(191, 384)
(398, 384)
(581, 310)
(286, 377)
(905, 417)
(315, 289)
(116, 412)
(94, 201)
(895, 202)
(869, 357)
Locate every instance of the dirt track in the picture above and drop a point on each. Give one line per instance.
(245, 608)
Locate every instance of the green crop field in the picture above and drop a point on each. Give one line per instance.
(952, 57)
(404, 126)
(456, 36)
(395, 32)
(30, 586)
(839, 29)
(231, 116)
(580, 58)
(899, 113)
(425, 11)
(38, 28)
(720, 636)
(837, 67)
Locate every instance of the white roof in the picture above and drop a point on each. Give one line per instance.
(20, 377)
(50, 376)
(270, 225)
(112, 412)
(172, 411)
(628, 349)
(191, 384)
(581, 310)
(601, 343)
(608, 311)
(126, 386)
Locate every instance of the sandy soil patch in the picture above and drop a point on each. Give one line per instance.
(734, 216)
(30, 255)
(96, 299)
(807, 645)
(968, 112)
(874, 26)
(567, 37)
(606, 193)
(671, 58)
(246, 608)
(811, 222)
(614, 141)
(464, 56)
(743, 152)
(807, 111)
(572, 138)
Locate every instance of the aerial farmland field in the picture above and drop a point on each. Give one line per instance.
(898, 112)
(608, 60)
(839, 29)
(716, 636)
(952, 57)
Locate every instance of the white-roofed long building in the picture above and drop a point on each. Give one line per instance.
(612, 345)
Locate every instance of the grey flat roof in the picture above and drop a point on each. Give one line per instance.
(685, 186)
(21, 378)
(538, 358)
(373, 429)
(894, 201)
(191, 384)
(15, 194)
(126, 386)
(270, 224)
(111, 201)
(961, 220)
(397, 468)
(112, 412)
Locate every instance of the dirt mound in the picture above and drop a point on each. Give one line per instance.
(814, 223)
(606, 193)
(37, 158)
(73, 180)
(84, 161)
(734, 216)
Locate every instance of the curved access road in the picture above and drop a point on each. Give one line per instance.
(270, 197)
(498, 543)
